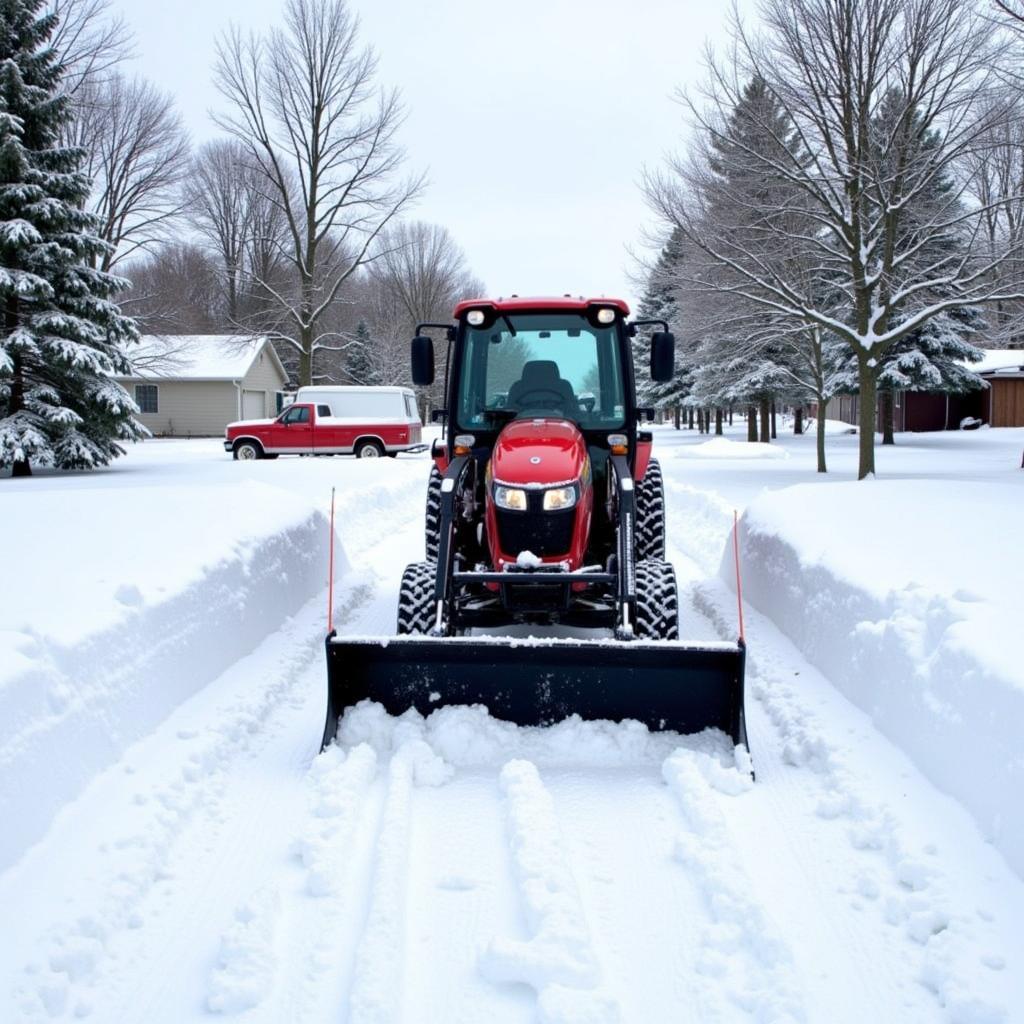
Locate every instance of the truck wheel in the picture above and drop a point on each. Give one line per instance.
(657, 601)
(416, 609)
(246, 450)
(650, 514)
(433, 515)
(369, 449)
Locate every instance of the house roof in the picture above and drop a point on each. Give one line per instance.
(1000, 360)
(198, 356)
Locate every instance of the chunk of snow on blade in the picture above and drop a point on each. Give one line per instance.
(559, 954)
(245, 970)
(528, 560)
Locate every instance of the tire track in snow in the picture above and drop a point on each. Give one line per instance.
(377, 982)
(558, 961)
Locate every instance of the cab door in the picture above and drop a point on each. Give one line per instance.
(293, 431)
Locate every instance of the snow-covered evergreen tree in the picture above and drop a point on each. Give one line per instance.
(360, 364)
(62, 337)
(660, 301)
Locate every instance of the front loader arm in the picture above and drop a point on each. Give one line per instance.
(451, 485)
(625, 547)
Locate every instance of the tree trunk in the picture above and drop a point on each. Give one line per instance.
(678, 415)
(730, 415)
(798, 420)
(766, 425)
(718, 421)
(821, 438)
(866, 416)
(689, 418)
(16, 400)
(774, 432)
(888, 417)
(751, 423)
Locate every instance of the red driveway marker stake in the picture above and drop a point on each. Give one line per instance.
(739, 583)
(330, 573)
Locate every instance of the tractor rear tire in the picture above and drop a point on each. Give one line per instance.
(650, 514)
(416, 607)
(433, 514)
(657, 601)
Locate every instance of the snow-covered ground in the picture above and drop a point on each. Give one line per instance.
(173, 847)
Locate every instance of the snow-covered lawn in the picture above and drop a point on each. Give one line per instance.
(173, 847)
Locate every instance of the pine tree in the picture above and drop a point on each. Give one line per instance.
(62, 339)
(931, 358)
(359, 364)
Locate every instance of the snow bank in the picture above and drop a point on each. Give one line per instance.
(155, 591)
(724, 448)
(912, 610)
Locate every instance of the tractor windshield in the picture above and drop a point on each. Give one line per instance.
(542, 364)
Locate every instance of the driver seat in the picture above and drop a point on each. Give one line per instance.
(542, 375)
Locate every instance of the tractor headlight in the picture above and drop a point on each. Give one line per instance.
(558, 498)
(475, 317)
(510, 497)
(605, 315)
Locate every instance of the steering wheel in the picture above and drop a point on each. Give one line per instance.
(559, 402)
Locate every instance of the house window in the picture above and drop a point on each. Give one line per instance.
(146, 397)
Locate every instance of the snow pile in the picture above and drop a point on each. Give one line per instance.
(130, 622)
(911, 610)
(468, 737)
(725, 448)
(558, 960)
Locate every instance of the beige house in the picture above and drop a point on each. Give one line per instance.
(194, 385)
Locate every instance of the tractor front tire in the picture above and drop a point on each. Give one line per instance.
(433, 514)
(416, 607)
(657, 601)
(650, 514)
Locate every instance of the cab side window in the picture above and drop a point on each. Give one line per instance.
(323, 410)
(298, 415)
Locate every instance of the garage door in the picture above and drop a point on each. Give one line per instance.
(254, 405)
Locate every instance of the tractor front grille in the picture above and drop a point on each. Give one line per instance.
(546, 534)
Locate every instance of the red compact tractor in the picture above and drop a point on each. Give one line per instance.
(544, 509)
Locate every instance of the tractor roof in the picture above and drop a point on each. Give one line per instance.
(559, 303)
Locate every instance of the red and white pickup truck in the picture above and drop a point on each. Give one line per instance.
(308, 428)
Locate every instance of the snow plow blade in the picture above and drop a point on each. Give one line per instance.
(681, 687)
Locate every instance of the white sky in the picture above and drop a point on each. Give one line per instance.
(534, 118)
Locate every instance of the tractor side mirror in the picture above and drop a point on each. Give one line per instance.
(663, 355)
(422, 360)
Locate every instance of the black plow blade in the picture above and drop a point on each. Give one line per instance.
(682, 687)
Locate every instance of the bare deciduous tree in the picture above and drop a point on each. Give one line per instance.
(304, 104)
(226, 201)
(136, 153)
(880, 220)
(420, 275)
(90, 40)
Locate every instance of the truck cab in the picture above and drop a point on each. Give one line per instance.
(380, 423)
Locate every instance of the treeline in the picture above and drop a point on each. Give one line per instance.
(847, 214)
(295, 223)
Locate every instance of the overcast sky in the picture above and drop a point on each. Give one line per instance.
(533, 118)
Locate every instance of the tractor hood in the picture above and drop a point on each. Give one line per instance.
(539, 452)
